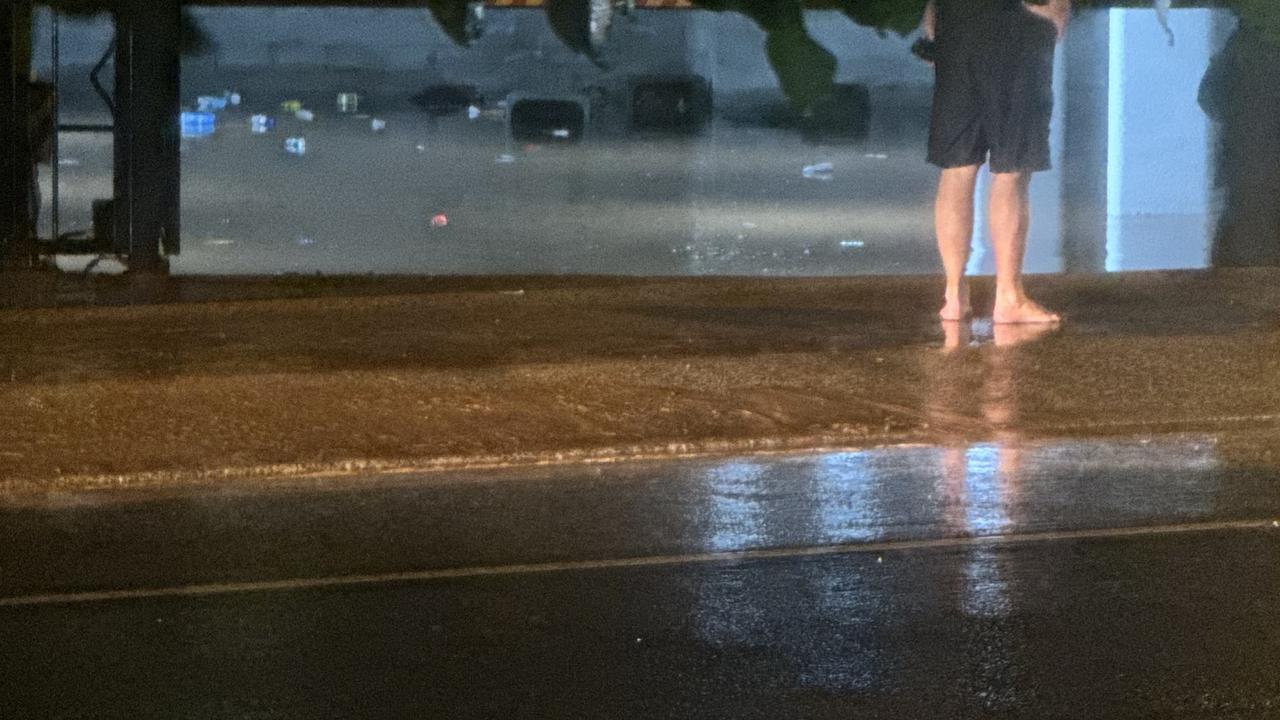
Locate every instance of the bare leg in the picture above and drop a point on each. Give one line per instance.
(953, 222)
(1010, 218)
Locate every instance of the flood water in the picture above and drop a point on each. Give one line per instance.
(476, 188)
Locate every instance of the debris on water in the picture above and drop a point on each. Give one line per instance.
(819, 171)
(852, 244)
(877, 156)
(210, 103)
(505, 159)
(377, 125)
(348, 102)
(261, 124)
(440, 220)
(473, 113)
(197, 124)
(305, 115)
(295, 146)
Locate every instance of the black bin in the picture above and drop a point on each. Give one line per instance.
(670, 103)
(844, 114)
(543, 120)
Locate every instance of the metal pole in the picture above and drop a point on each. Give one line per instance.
(57, 122)
(148, 165)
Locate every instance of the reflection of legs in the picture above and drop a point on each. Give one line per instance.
(953, 222)
(1010, 217)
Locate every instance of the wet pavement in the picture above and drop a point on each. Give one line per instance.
(303, 376)
(1074, 579)
(244, 499)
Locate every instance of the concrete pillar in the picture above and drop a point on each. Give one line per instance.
(1084, 157)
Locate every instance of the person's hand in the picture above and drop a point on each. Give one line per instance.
(929, 23)
(1057, 12)
(928, 32)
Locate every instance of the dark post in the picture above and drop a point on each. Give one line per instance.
(148, 42)
(15, 138)
(8, 128)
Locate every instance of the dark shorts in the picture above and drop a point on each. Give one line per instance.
(993, 94)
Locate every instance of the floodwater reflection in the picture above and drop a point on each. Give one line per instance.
(1006, 485)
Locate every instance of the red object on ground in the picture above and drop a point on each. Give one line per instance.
(440, 221)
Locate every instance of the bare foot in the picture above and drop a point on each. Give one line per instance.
(1024, 312)
(1012, 335)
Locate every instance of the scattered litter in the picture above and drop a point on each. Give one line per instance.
(220, 241)
(363, 116)
(422, 148)
(295, 146)
(473, 113)
(304, 241)
(561, 134)
(197, 124)
(377, 125)
(820, 171)
(261, 124)
(234, 98)
(505, 159)
(348, 102)
(877, 156)
(68, 162)
(852, 244)
(513, 293)
(211, 103)
(879, 559)
(750, 225)
(305, 115)
(440, 221)
(291, 106)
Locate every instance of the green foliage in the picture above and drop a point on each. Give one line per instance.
(1261, 17)
(451, 16)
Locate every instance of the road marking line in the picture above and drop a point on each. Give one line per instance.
(335, 581)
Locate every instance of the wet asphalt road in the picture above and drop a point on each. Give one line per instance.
(1122, 578)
